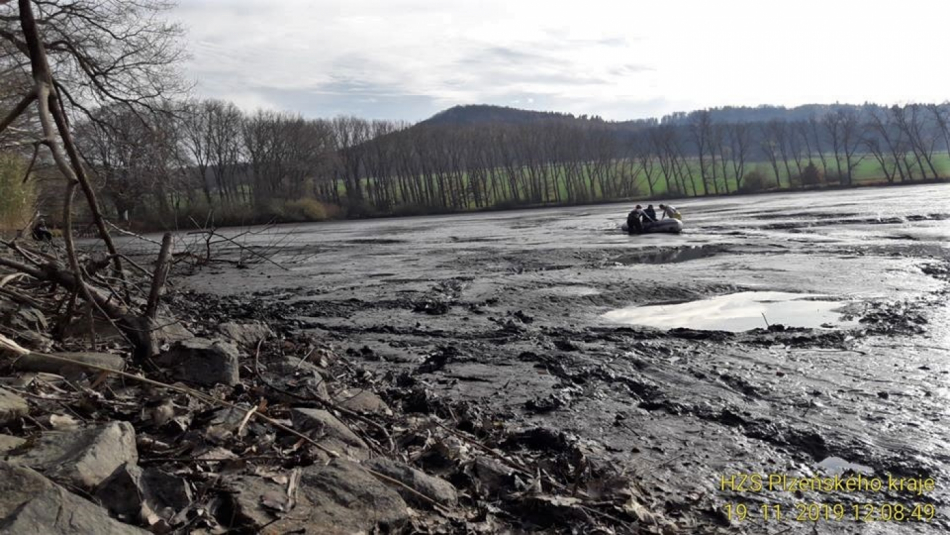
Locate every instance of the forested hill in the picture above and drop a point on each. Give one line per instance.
(478, 114)
(482, 114)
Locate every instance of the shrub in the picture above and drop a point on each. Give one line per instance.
(754, 181)
(305, 209)
(811, 175)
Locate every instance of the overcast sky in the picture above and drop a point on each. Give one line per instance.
(622, 59)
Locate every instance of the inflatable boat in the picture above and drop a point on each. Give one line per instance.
(671, 226)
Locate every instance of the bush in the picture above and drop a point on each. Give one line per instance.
(811, 175)
(305, 209)
(754, 181)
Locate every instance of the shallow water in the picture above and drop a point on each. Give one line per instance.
(837, 465)
(737, 312)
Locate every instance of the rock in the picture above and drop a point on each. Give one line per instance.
(41, 363)
(12, 407)
(493, 476)
(30, 503)
(435, 488)
(329, 432)
(296, 375)
(246, 334)
(8, 443)
(350, 497)
(136, 494)
(202, 361)
(364, 402)
(257, 502)
(165, 332)
(84, 458)
(342, 498)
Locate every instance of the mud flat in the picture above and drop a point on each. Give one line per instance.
(516, 313)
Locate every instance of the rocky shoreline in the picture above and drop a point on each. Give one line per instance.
(266, 430)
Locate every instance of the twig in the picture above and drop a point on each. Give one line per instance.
(246, 419)
(121, 230)
(242, 247)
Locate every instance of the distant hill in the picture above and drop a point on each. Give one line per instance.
(483, 114)
(480, 114)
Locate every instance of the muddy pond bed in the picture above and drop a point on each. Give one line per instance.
(802, 336)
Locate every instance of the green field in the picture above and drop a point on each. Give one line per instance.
(868, 171)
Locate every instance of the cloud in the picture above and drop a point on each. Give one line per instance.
(408, 59)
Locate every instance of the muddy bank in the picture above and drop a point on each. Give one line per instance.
(506, 312)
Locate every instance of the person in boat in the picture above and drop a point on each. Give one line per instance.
(41, 233)
(650, 214)
(634, 221)
(669, 211)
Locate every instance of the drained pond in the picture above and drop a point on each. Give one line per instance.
(525, 318)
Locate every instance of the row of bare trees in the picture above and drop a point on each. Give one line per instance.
(209, 155)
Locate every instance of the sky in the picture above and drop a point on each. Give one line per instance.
(621, 59)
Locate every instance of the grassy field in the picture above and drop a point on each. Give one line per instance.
(868, 171)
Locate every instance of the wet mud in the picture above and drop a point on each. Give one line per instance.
(506, 312)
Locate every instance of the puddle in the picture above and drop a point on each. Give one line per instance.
(837, 465)
(569, 291)
(668, 255)
(738, 312)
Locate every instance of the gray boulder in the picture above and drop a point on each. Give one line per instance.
(434, 488)
(84, 458)
(342, 498)
(134, 494)
(202, 361)
(298, 376)
(12, 407)
(329, 432)
(363, 401)
(30, 503)
(246, 334)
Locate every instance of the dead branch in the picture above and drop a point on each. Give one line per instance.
(161, 272)
(213, 233)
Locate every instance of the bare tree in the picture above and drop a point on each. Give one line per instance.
(93, 46)
(700, 128)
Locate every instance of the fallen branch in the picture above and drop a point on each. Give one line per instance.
(242, 247)
(158, 280)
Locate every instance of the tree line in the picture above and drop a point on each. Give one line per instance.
(208, 156)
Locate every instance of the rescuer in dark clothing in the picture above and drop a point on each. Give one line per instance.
(41, 233)
(650, 214)
(634, 224)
